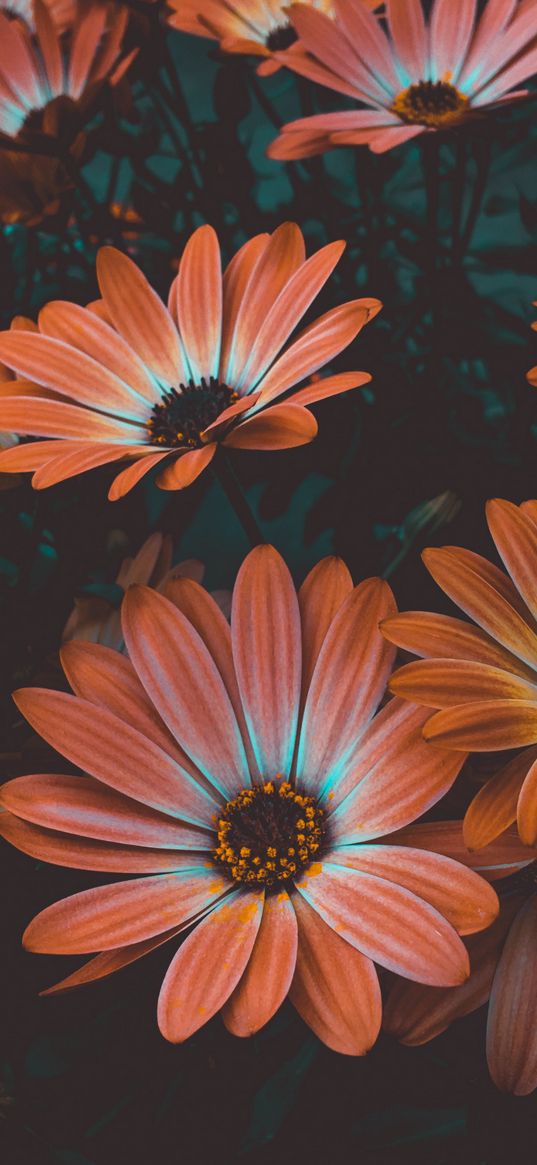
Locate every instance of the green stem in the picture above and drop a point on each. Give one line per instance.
(483, 160)
(233, 490)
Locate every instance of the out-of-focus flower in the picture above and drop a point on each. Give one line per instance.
(44, 73)
(503, 962)
(151, 384)
(247, 778)
(63, 12)
(484, 678)
(259, 28)
(418, 76)
(32, 187)
(95, 620)
(432, 514)
(7, 481)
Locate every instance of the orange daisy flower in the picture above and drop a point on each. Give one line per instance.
(418, 76)
(245, 778)
(503, 971)
(169, 384)
(94, 620)
(484, 678)
(38, 69)
(259, 28)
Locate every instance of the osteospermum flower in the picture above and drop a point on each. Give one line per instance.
(418, 76)
(143, 382)
(242, 774)
(260, 28)
(484, 678)
(39, 69)
(503, 971)
(95, 620)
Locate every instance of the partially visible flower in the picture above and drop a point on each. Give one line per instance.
(153, 384)
(503, 963)
(32, 187)
(532, 374)
(418, 76)
(484, 678)
(45, 73)
(432, 514)
(254, 27)
(95, 620)
(242, 773)
(62, 12)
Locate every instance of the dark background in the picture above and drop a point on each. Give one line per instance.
(87, 1078)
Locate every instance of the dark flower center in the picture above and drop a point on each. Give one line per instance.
(269, 833)
(185, 412)
(432, 103)
(281, 38)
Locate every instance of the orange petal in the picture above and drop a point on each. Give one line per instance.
(110, 961)
(466, 900)
(113, 752)
(184, 683)
(387, 923)
(139, 315)
(321, 595)
(122, 913)
(267, 978)
(335, 988)
(129, 477)
(494, 807)
(506, 855)
(279, 427)
(182, 471)
(208, 965)
(527, 807)
(485, 725)
(443, 683)
(199, 303)
(347, 684)
(515, 536)
(431, 635)
(268, 666)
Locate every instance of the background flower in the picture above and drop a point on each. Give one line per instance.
(155, 384)
(418, 76)
(484, 677)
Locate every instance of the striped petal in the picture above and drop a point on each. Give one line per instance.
(208, 965)
(265, 622)
(199, 303)
(335, 988)
(320, 597)
(494, 807)
(140, 316)
(511, 1031)
(515, 536)
(485, 726)
(269, 972)
(443, 683)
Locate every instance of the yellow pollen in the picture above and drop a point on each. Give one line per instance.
(269, 833)
(434, 104)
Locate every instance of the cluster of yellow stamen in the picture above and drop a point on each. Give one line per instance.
(184, 413)
(430, 103)
(269, 833)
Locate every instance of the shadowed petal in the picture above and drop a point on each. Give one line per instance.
(110, 961)
(515, 536)
(511, 1030)
(267, 978)
(442, 636)
(182, 471)
(208, 965)
(335, 989)
(527, 807)
(506, 855)
(494, 807)
(129, 477)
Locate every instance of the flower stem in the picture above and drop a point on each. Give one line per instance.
(227, 478)
(483, 166)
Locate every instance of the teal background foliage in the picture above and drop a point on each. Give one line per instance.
(87, 1080)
